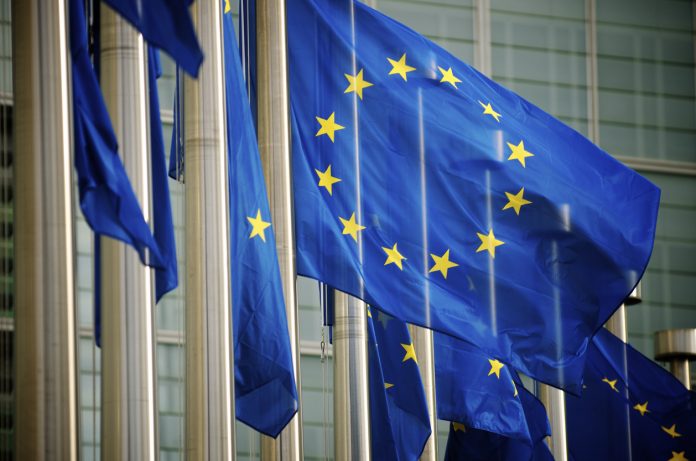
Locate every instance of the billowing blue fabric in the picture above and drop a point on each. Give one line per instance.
(167, 25)
(107, 200)
(166, 278)
(265, 390)
(605, 424)
(478, 445)
(423, 167)
(398, 411)
(469, 394)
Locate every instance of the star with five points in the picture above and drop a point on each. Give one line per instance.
(400, 67)
(496, 366)
(488, 110)
(611, 383)
(357, 84)
(458, 427)
(448, 77)
(516, 201)
(672, 431)
(678, 456)
(258, 226)
(442, 263)
(326, 180)
(519, 153)
(328, 126)
(350, 227)
(393, 256)
(410, 353)
(228, 7)
(388, 385)
(488, 242)
(642, 408)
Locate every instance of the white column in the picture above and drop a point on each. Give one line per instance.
(45, 386)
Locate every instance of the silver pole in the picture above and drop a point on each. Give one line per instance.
(351, 391)
(274, 147)
(423, 345)
(677, 347)
(46, 396)
(554, 401)
(128, 427)
(209, 354)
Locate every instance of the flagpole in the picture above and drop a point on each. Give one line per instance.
(128, 415)
(209, 426)
(274, 148)
(45, 387)
(351, 391)
(678, 347)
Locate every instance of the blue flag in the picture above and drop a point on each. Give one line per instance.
(477, 390)
(167, 25)
(440, 197)
(166, 278)
(265, 390)
(631, 408)
(468, 444)
(107, 199)
(398, 411)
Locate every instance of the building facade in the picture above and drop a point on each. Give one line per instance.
(621, 72)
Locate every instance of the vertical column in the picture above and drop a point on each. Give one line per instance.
(677, 347)
(209, 355)
(351, 391)
(423, 345)
(274, 147)
(482, 36)
(46, 399)
(554, 401)
(128, 416)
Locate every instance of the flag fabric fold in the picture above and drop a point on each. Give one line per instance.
(265, 390)
(167, 25)
(630, 408)
(107, 200)
(534, 235)
(398, 411)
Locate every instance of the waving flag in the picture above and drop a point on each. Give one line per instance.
(440, 197)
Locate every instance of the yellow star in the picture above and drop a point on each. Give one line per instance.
(356, 83)
(642, 408)
(519, 153)
(388, 385)
(400, 67)
(672, 431)
(442, 263)
(328, 126)
(350, 227)
(488, 110)
(326, 180)
(488, 242)
(458, 427)
(678, 456)
(448, 77)
(228, 8)
(611, 384)
(516, 201)
(258, 226)
(393, 256)
(496, 366)
(410, 353)
(514, 386)
(369, 312)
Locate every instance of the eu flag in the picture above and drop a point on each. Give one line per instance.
(440, 197)
(631, 408)
(167, 25)
(478, 390)
(265, 390)
(107, 199)
(398, 411)
(469, 444)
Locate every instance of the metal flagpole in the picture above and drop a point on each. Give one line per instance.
(274, 148)
(46, 397)
(209, 355)
(128, 415)
(677, 347)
